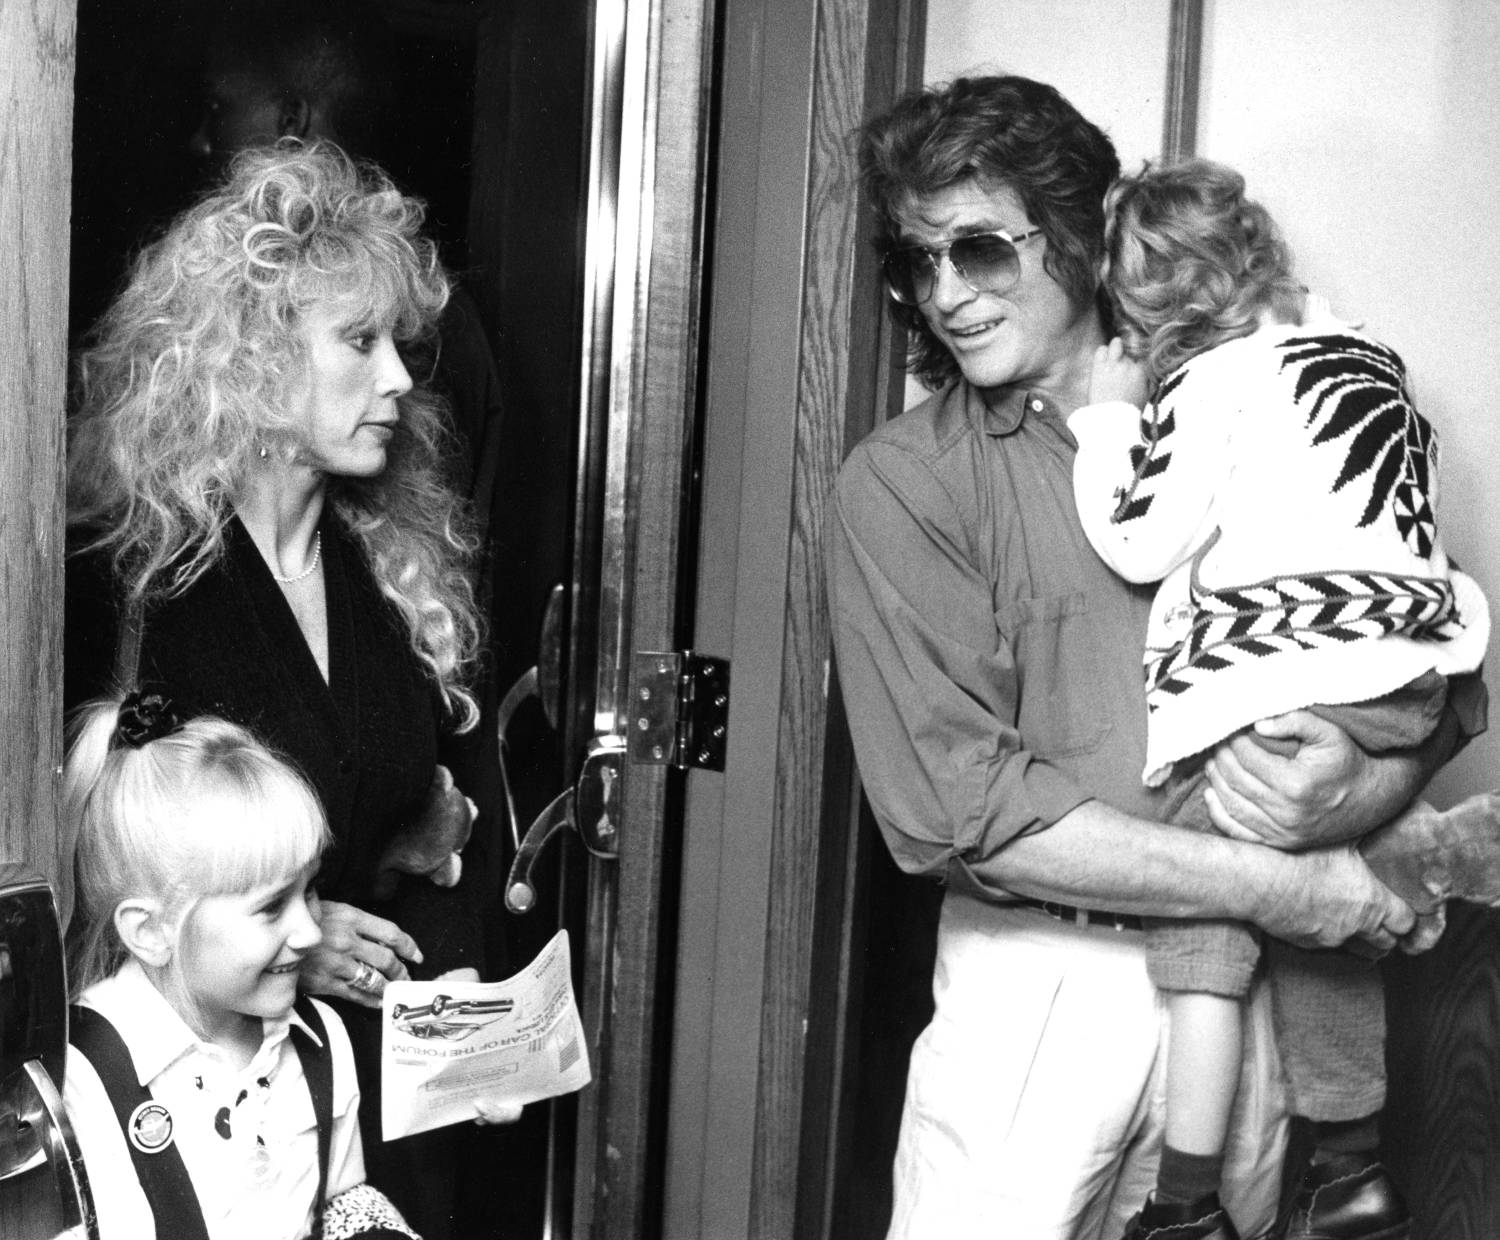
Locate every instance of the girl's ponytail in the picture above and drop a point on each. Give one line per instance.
(93, 764)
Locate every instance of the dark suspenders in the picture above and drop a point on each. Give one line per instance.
(317, 1067)
(162, 1175)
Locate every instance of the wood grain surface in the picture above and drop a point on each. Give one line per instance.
(860, 59)
(36, 115)
(1442, 1123)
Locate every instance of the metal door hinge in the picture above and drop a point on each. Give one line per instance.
(679, 709)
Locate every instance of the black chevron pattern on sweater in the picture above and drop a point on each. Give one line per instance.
(1150, 458)
(1246, 623)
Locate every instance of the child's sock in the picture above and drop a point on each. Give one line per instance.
(1187, 1177)
(1346, 1136)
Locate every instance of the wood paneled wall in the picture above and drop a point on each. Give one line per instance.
(36, 120)
(36, 117)
(864, 55)
(1441, 1127)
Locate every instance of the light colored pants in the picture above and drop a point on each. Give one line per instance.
(1035, 1098)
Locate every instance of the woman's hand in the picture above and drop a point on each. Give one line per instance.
(1116, 376)
(359, 954)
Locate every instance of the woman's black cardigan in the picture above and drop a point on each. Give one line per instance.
(366, 739)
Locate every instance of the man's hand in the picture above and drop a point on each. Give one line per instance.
(1424, 936)
(1314, 786)
(1327, 897)
(1116, 376)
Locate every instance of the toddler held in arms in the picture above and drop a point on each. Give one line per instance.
(1264, 462)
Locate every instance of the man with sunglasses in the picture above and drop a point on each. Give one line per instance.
(991, 666)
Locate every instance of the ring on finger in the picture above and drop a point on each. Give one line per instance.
(366, 979)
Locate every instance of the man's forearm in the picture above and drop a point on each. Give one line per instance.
(1098, 857)
(1397, 779)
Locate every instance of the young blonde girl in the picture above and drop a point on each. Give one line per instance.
(1265, 463)
(209, 1101)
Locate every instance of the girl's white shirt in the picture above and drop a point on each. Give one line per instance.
(201, 1088)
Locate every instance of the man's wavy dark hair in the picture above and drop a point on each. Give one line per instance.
(1001, 131)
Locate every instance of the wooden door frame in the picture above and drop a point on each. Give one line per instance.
(802, 362)
(797, 364)
(36, 128)
(36, 132)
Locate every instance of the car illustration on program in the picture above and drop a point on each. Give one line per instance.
(448, 1018)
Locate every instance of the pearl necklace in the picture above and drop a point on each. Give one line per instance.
(312, 565)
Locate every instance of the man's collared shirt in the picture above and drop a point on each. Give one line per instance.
(989, 660)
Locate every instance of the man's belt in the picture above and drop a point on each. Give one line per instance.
(1083, 918)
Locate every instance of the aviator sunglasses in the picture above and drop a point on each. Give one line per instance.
(987, 262)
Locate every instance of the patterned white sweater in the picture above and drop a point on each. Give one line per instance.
(1284, 490)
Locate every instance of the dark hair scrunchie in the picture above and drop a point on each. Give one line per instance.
(144, 717)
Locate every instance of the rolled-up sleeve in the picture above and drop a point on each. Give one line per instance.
(929, 681)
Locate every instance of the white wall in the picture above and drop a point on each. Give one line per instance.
(1109, 57)
(1371, 129)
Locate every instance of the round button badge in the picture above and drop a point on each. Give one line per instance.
(150, 1128)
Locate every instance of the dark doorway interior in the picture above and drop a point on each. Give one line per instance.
(138, 98)
(490, 132)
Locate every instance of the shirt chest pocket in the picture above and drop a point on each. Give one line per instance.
(1055, 649)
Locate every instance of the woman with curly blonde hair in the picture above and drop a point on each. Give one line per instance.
(189, 394)
(260, 528)
(1264, 462)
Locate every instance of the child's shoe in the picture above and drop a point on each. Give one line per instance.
(1351, 1197)
(1203, 1219)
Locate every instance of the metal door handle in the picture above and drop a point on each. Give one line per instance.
(591, 807)
(597, 803)
(542, 682)
(524, 689)
(520, 893)
(36, 1136)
